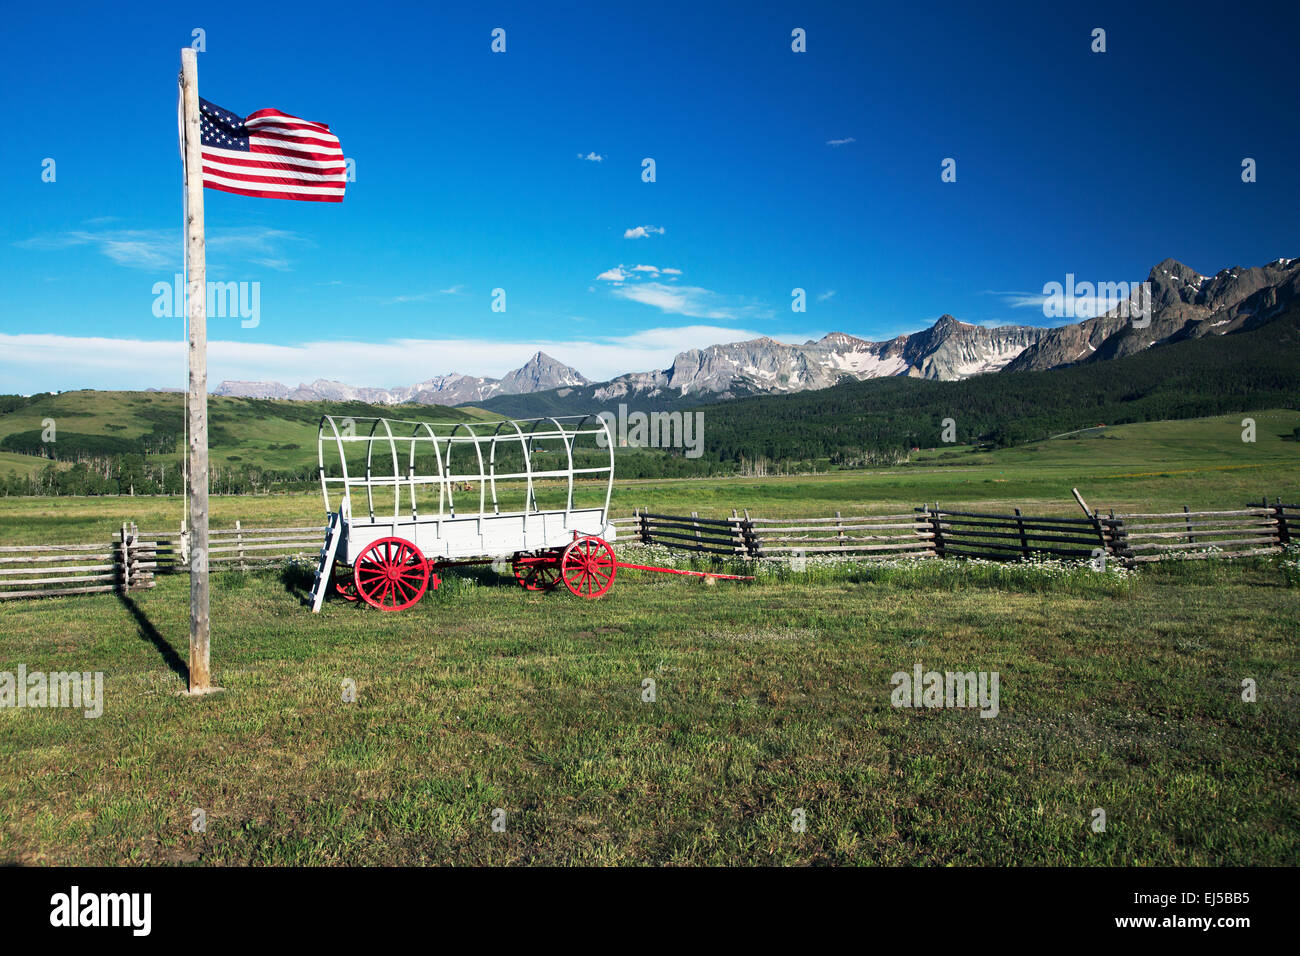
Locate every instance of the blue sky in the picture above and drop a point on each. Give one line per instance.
(775, 170)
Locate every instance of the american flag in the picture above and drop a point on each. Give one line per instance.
(270, 154)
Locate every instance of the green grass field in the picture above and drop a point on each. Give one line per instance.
(1119, 691)
(774, 696)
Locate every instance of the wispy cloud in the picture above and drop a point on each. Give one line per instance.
(1079, 306)
(139, 248)
(161, 249)
(641, 283)
(841, 142)
(257, 244)
(622, 273)
(642, 232)
(829, 293)
(691, 301)
(1019, 300)
(401, 299)
(592, 157)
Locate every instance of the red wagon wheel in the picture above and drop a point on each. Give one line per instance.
(391, 574)
(536, 570)
(588, 567)
(345, 585)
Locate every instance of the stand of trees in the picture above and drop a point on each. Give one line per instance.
(135, 475)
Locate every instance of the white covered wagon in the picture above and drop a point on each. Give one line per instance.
(406, 498)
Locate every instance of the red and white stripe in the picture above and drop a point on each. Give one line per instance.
(288, 158)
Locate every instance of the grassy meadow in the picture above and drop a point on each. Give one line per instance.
(1156, 466)
(1122, 695)
(1119, 691)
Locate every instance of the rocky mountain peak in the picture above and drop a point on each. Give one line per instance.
(540, 373)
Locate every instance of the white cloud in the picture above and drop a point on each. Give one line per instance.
(161, 249)
(840, 142)
(1019, 300)
(826, 295)
(592, 157)
(140, 248)
(641, 284)
(1075, 307)
(399, 299)
(642, 232)
(691, 301)
(622, 273)
(31, 363)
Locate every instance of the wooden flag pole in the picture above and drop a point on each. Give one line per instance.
(196, 298)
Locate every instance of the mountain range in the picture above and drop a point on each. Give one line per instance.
(538, 374)
(1183, 305)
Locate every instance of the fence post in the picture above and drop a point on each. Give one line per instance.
(239, 542)
(1283, 529)
(1118, 543)
(1190, 539)
(752, 541)
(1024, 542)
(124, 557)
(133, 556)
(696, 524)
(645, 528)
(839, 530)
(938, 532)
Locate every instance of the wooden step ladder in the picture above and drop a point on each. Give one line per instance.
(325, 564)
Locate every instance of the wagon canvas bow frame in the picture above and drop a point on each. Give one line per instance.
(497, 471)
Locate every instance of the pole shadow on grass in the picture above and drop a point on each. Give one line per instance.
(151, 634)
(297, 580)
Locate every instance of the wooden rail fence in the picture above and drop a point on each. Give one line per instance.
(1204, 534)
(865, 537)
(934, 532)
(1018, 537)
(240, 547)
(125, 563)
(131, 559)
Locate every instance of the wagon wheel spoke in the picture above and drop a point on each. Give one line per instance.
(399, 590)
